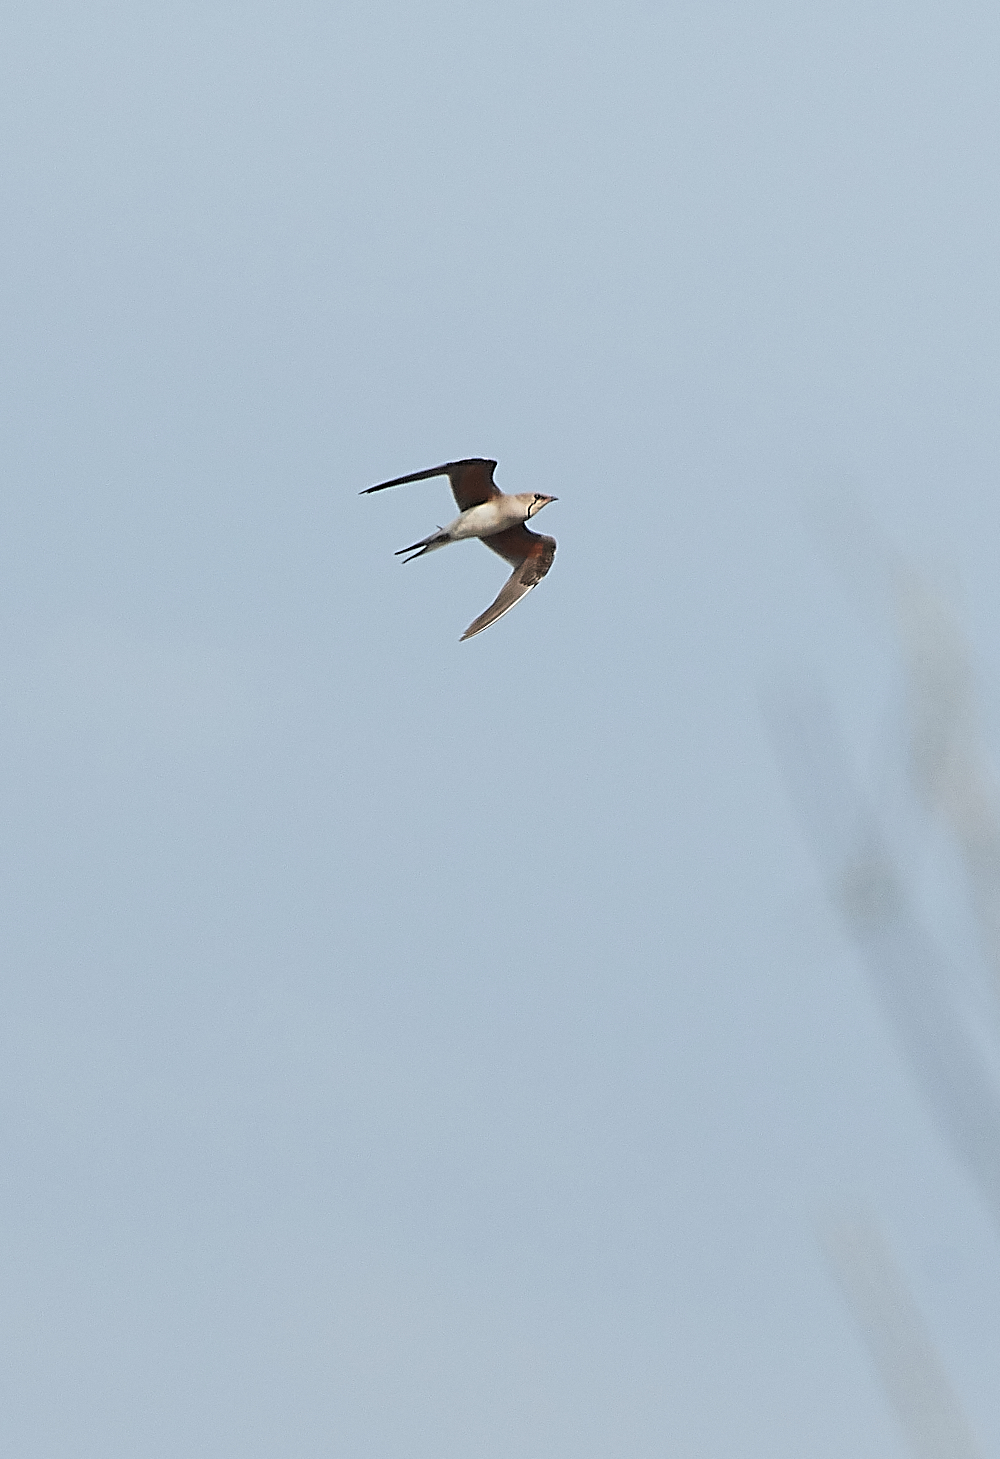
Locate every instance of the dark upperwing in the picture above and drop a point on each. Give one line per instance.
(471, 481)
(531, 556)
(518, 544)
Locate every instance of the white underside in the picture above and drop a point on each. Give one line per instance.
(489, 517)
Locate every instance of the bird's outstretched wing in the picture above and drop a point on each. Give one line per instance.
(531, 555)
(471, 481)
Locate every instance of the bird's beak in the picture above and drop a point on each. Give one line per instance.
(551, 498)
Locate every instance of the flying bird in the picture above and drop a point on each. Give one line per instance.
(497, 520)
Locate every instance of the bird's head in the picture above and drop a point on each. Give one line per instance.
(537, 500)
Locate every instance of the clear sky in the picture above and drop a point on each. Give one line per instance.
(421, 1049)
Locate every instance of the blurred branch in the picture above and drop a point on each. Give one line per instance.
(949, 766)
(900, 958)
(904, 1358)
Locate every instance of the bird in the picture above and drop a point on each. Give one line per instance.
(497, 519)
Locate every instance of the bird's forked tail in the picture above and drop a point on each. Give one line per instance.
(437, 539)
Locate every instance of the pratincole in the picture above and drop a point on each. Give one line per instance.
(497, 520)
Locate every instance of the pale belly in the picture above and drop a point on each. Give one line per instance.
(485, 519)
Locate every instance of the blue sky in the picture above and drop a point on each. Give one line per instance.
(413, 1048)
